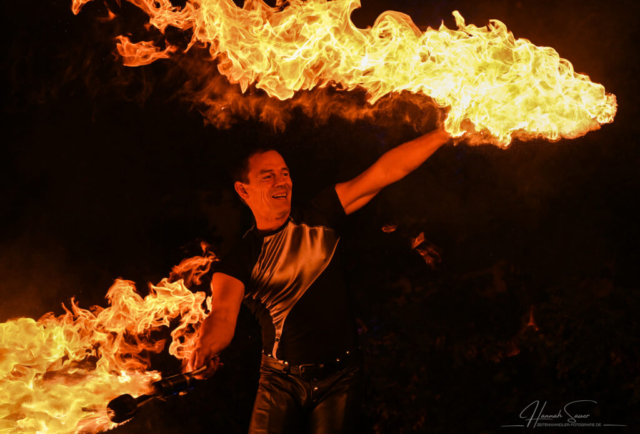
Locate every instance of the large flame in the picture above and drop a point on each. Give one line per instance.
(57, 374)
(491, 83)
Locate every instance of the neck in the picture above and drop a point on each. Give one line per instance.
(270, 223)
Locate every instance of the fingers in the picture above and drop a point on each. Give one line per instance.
(212, 366)
(202, 357)
(195, 361)
(196, 366)
(192, 364)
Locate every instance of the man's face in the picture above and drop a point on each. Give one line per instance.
(268, 192)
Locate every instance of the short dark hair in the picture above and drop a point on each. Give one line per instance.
(240, 168)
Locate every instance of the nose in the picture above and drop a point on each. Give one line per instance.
(281, 180)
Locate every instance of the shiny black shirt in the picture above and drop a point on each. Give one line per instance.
(294, 285)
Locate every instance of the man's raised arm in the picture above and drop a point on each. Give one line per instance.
(218, 328)
(394, 165)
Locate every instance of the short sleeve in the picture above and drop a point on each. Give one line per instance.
(237, 263)
(326, 209)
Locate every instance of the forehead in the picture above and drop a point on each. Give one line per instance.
(270, 160)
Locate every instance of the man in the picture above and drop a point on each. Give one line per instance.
(285, 269)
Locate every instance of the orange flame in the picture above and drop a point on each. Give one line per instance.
(495, 87)
(141, 53)
(57, 374)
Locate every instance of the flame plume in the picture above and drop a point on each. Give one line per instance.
(57, 374)
(494, 86)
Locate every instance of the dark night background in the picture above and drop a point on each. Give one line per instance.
(101, 180)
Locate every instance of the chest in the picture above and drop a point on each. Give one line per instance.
(291, 260)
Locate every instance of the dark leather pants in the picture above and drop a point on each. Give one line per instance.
(289, 404)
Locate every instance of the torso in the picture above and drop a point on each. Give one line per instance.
(294, 285)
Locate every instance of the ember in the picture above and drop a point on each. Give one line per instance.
(429, 252)
(389, 228)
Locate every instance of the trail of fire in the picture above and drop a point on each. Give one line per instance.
(57, 374)
(490, 82)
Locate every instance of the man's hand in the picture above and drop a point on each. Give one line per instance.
(203, 355)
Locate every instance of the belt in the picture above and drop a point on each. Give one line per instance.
(317, 371)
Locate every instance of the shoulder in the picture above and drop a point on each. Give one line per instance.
(239, 261)
(324, 209)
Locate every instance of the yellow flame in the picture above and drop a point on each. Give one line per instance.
(494, 86)
(57, 374)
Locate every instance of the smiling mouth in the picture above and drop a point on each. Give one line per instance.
(280, 196)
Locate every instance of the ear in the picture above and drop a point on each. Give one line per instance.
(242, 192)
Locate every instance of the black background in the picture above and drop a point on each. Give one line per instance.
(105, 173)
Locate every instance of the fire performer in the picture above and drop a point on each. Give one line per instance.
(285, 269)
